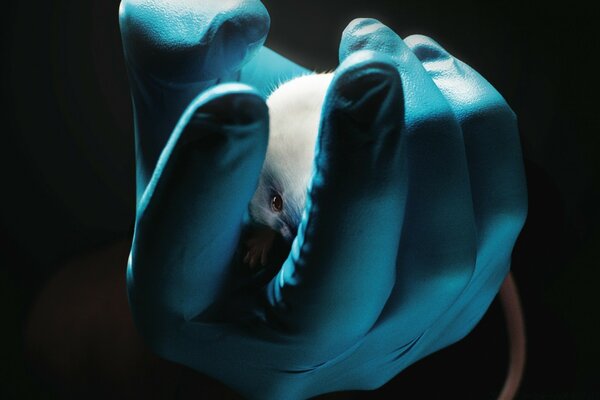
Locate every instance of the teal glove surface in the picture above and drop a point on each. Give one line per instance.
(417, 199)
(174, 50)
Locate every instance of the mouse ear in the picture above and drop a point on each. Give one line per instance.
(190, 216)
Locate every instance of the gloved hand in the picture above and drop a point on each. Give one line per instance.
(417, 199)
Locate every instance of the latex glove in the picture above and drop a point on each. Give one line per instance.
(176, 49)
(417, 199)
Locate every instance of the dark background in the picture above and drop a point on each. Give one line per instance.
(67, 195)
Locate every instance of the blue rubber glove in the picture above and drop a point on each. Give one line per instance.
(176, 49)
(417, 199)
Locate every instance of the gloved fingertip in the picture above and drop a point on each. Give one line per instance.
(256, 25)
(426, 49)
(230, 104)
(364, 27)
(368, 33)
(183, 42)
(230, 110)
(364, 83)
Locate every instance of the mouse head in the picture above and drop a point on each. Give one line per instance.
(294, 115)
(278, 203)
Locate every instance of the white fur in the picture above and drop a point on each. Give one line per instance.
(295, 114)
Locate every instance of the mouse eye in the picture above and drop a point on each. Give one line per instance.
(276, 203)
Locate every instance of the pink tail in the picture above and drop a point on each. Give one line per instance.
(513, 313)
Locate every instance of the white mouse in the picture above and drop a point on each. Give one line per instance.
(279, 200)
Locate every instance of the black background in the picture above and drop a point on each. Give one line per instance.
(68, 188)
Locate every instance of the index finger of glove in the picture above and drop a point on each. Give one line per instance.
(189, 218)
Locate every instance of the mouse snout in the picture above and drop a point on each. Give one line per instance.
(289, 232)
(294, 231)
